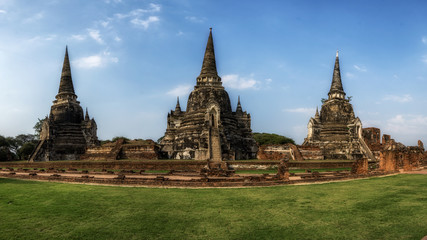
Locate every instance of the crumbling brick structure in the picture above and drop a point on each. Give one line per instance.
(389, 160)
(274, 152)
(66, 133)
(360, 167)
(336, 130)
(209, 129)
(122, 149)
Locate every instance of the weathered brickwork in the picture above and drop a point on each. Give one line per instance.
(66, 133)
(209, 129)
(121, 149)
(279, 151)
(336, 130)
(274, 152)
(360, 167)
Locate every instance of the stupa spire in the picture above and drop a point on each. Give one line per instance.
(208, 74)
(336, 90)
(316, 116)
(87, 118)
(178, 107)
(66, 84)
(239, 106)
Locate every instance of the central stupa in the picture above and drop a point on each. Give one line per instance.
(209, 129)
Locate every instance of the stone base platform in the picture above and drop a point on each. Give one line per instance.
(173, 178)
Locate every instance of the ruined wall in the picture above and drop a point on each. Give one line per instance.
(171, 165)
(389, 161)
(360, 167)
(412, 158)
(311, 153)
(136, 150)
(274, 152)
(290, 152)
(149, 151)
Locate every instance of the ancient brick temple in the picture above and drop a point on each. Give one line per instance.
(336, 130)
(209, 129)
(66, 133)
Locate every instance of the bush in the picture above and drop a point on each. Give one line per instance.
(271, 138)
(117, 138)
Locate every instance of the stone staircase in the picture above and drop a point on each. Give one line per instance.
(36, 150)
(365, 149)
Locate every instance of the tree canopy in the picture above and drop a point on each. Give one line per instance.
(271, 138)
(17, 148)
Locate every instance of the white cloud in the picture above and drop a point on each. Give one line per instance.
(180, 90)
(301, 110)
(88, 62)
(424, 40)
(50, 37)
(180, 33)
(117, 39)
(371, 123)
(113, 1)
(424, 59)
(350, 75)
(195, 19)
(94, 34)
(154, 7)
(145, 23)
(237, 82)
(140, 11)
(42, 38)
(360, 68)
(34, 18)
(95, 61)
(78, 37)
(2, 11)
(105, 23)
(400, 99)
(415, 125)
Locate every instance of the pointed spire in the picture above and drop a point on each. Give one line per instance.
(317, 116)
(336, 90)
(178, 107)
(87, 118)
(66, 84)
(239, 106)
(208, 74)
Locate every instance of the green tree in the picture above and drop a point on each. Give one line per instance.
(25, 151)
(19, 147)
(5, 153)
(271, 138)
(38, 126)
(117, 138)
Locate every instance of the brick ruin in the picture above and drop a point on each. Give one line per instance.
(393, 155)
(123, 149)
(279, 152)
(66, 133)
(209, 129)
(336, 130)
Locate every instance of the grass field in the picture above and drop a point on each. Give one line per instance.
(393, 207)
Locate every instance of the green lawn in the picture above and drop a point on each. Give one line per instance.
(393, 207)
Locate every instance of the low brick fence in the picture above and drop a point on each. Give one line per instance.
(171, 165)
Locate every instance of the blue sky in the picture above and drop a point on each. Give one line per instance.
(130, 59)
